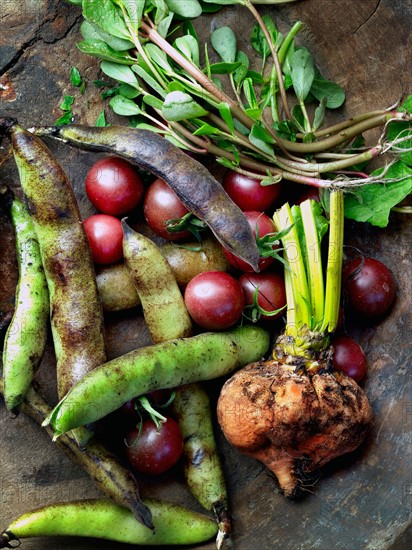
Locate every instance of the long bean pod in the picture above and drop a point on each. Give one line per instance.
(26, 336)
(165, 365)
(203, 469)
(108, 473)
(164, 309)
(75, 310)
(103, 519)
(200, 192)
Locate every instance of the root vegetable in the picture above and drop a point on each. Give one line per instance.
(293, 412)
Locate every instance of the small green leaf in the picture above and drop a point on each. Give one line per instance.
(66, 104)
(75, 77)
(303, 73)
(64, 119)
(153, 101)
(164, 25)
(180, 106)
(223, 41)
(226, 114)
(250, 94)
(298, 118)
(241, 73)
(149, 79)
(319, 114)
(372, 203)
(224, 68)
(185, 8)
(99, 48)
(255, 137)
(128, 91)
(123, 106)
(159, 57)
(91, 31)
(189, 47)
(106, 16)
(207, 130)
(134, 10)
(334, 94)
(101, 120)
(118, 72)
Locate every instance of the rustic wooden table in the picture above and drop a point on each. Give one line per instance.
(362, 501)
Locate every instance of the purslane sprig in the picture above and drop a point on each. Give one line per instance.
(270, 123)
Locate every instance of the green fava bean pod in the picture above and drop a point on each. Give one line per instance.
(26, 336)
(199, 191)
(165, 365)
(203, 469)
(163, 306)
(102, 519)
(75, 310)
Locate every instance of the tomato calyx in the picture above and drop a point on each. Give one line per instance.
(254, 311)
(268, 245)
(144, 409)
(188, 222)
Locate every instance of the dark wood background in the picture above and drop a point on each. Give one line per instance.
(363, 501)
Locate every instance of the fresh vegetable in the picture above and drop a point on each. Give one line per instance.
(295, 413)
(114, 186)
(248, 193)
(349, 357)
(75, 311)
(163, 305)
(103, 519)
(267, 241)
(116, 289)
(370, 287)
(153, 449)
(105, 469)
(162, 205)
(203, 469)
(26, 336)
(166, 365)
(265, 295)
(191, 181)
(214, 300)
(105, 236)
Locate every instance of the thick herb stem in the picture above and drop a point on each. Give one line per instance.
(313, 262)
(344, 135)
(275, 57)
(335, 256)
(284, 219)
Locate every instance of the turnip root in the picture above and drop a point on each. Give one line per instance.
(291, 420)
(294, 413)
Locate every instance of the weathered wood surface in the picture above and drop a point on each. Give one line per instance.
(361, 502)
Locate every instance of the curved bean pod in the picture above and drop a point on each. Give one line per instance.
(76, 313)
(164, 309)
(26, 336)
(103, 519)
(108, 473)
(199, 191)
(165, 365)
(203, 470)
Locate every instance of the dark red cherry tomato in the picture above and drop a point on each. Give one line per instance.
(161, 204)
(105, 235)
(370, 286)
(114, 186)
(248, 193)
(261, 225)
(214, 300)
(271, 292)
(348, 357)
(154, 450)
